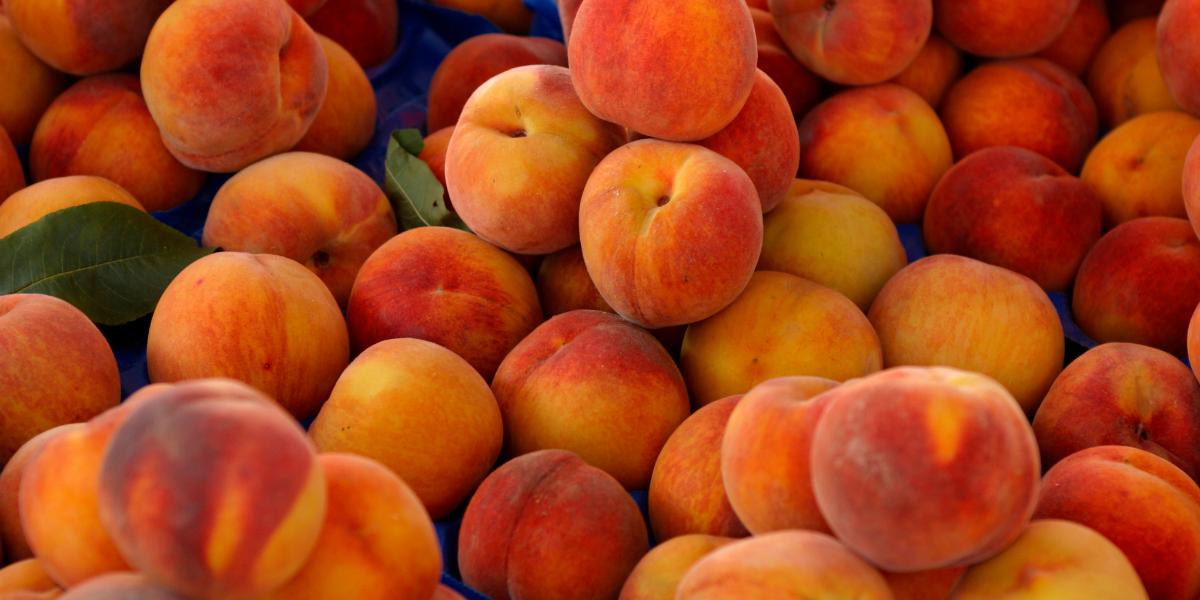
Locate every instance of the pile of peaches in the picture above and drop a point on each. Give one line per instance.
(680, 273)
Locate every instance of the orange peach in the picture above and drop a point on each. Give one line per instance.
(11, 532)
(799, 85)
(1016, 209)
(1141, 284)
(12, 173)
(548, 525)
(1055, 117)
(1002, 28)
(367, 29)
(52, 195)
(220, 103)
(841, 241)
(785, 564)
(564, 284)
(21, 106)
(592, 383)
(657, 575)
(377, 541)
(854, 42)
(83, 37)
(924, 585)
(526, 121)
(959, 312)
(380, 408)
(448, 287)
(1136, 169)
(473, 62)
(678, 72)
(1125, 78)
(765, 455)
(510, 15)
(313, 209)
(1087, 30)
(261, 319)
(212, 490)
(120, 586)
(781, 325)
(26, 575)
(101, 126)
(1177, 52)
(923, 468)
(933, 71)
(845, 137)
(346, 122)
(801, 187)
(1143, 504)
(433, 152)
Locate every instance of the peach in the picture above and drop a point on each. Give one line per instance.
(590, 382)
(120, 586)
(478, 59)
(854, 42)
(1193, 342)
(923, 468)
(548, 525)
(26, 575)
(670, 232)
(1002, 28)
(1178, 56)
(781, 325)
(367, 29)
(1145, 505)
(1191, 186)
(763, 140)
(1087, 30)
(765, 452)
(785, 564)
(567, 9)
(398, 558)
(212, 490)
(694, 64)
(924, 585)
(1016, 209)
(510, 15)
(12, 173)
(58, 368)
(1055, 117)
(1054, 559)
(525, 121)
(346, 122)
(933, 71)
(841, 241)
(801, 187)
(101, 126)
(21, 106)
(52, 195)
(261, 319)
(448, 287)
(380, 408)
(313, 209)
(845, 137)
(433, 152)
(1140, 284)
(1125, 78)
(306, 7)
(801, 88)
(564, 284)
(1136, 169)
(83, 37)
(220, 103)
(657, 575)
(686, 490)
(11, 532)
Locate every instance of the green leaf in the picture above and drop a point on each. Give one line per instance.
(110, 260)
(415, 192)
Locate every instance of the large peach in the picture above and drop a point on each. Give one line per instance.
(261, 319)
(1125, 79)
(933, 71)
(959, 312)
(592, 383)
(367, 29)
(83, 37)
(12, 534)
(120, 586)
(398, 558)
(1141, 284)
(101, 126)
(922, 468)
(52, 195)
(1178, 53)
(657, 575)
(1002, 28)
(1055, 117)
(848, 138)
(854, 42)
(564, 284)
(765, 455)
(346, 122)
(313, 209)
(1016, 209)
(12, 173)
(1087, 30)
(382, 408)
(678, 72)
(448, 287)
(21, 106)
(27, 575)
(548, 526)
(222, 103)
(781, 325)
(801, 87)
(520, 157)
(1136, 169)
(1145, 505)
(511, 15)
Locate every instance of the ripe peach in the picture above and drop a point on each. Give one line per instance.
(657, 575)
(448, 287)
(367, 29)
(11, 532)
(12, 173)
(564, 284)
(781, 325)
(1016, 209)
(933, 71)
(1002, 28)
(28, 576)
(510, 15)
(678, 72)
(1177, 53)
(1125, 78)
(799, 85)
(1191, 186)
(120, 586)
(52, 195)
(1087, 30)
(83, 37)
(261, 319)
(21, 106)
(220, 103)
(845, 136)
(346, 121)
